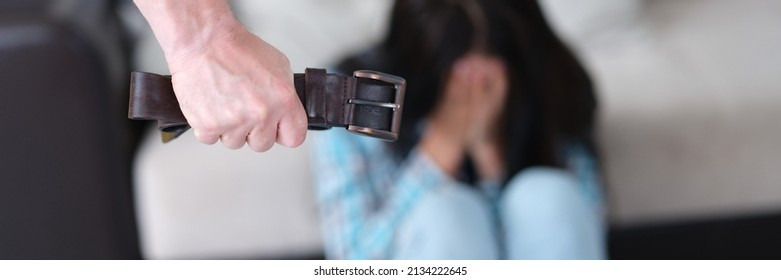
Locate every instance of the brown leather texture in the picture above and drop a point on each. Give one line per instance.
(326, 98)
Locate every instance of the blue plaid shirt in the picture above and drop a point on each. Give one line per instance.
(364, 194)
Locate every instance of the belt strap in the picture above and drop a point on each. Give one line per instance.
(368, 103)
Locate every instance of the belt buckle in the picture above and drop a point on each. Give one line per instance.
(400, 84)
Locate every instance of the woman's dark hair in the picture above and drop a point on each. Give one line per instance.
(550, 102)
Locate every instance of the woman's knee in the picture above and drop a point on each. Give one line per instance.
(541, 188)
(453, 222)
(546, 214)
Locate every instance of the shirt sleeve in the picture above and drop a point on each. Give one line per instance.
(364, 194)
(586, 169)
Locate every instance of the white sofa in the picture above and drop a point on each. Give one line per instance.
(690, 125)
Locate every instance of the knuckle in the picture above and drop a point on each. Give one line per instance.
(232, 119)
(297, 140)
(206, 126)
(262, 147)
(232, 143)
(261, 139)
(299, 135)
(205, 138)
(234, 146)
(292, 137)
(259, 115)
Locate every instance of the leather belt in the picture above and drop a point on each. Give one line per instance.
(367, 103)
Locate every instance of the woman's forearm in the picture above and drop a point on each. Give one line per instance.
(444, 150)
(488, 158)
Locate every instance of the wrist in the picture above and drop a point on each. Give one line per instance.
(489, 159)
(444, 152)
(184, 27)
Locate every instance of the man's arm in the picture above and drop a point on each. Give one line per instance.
(231, 85)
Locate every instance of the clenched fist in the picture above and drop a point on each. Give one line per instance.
(231, 85)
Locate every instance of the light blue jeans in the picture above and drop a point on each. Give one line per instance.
(543, 213)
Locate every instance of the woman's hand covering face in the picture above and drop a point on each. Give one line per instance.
(467, 116)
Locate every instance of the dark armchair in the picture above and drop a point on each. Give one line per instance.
(65, 143)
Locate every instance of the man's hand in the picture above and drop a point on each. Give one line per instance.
(231, 85)
(236, 89)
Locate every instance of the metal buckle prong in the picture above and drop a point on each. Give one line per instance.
(393, 106)
(400, 85)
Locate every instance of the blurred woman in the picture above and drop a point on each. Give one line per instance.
(496, 157)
